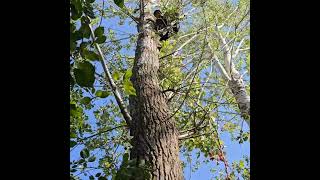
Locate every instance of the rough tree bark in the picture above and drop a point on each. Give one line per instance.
(155, 137)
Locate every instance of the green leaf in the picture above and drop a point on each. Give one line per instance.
(72, 144)
(93, 90)
(128, 88)
(73, 170)
(127, 84)
(98, 174)
(75, 15)
(75, 36)
(101, 39)
(86, 100)
(116, 75)
(91, 177)
(85, 31)
(84, 74)
(73, 135)
(76, 9)
(125, 158)
(128, 74)
(83, 46)
(90, 55)
(119, 3)
(98, 32)
(84, 19)
(91, 1)
(77, 4)
(102, 94)
(73, 46)
(91, 159)
(241, 164)
(81, 161)
(84, 153)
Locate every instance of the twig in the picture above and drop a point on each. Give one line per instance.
(126, 12)
(184, 44)
(99, 133)
(200, 59)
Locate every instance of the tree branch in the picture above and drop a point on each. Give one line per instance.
(185, 136)
(126, 12)
(99, 133)
(238, 48)
(114, 88)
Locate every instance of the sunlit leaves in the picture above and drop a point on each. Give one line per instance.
(75, 111)
(128, 74)
(173, 74)
(116, 76)
(127, 84)
(128, 88)
(102, 94)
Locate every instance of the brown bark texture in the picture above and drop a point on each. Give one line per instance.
(155, 137)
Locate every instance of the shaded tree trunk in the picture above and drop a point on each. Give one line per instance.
(155, 137)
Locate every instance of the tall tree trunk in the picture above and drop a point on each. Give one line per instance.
(155, 138)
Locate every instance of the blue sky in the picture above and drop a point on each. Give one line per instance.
(234, 150)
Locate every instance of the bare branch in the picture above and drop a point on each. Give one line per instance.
(174, 53)
(185, 136)
(99, 133)
(219, 65)
(238, 48)
(112, 84)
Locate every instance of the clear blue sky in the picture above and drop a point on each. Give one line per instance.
(234, 150)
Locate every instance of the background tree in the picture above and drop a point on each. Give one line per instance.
(182, 98)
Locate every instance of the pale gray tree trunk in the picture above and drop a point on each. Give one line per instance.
(235, 81)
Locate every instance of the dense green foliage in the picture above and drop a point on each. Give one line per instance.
(199, 96)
